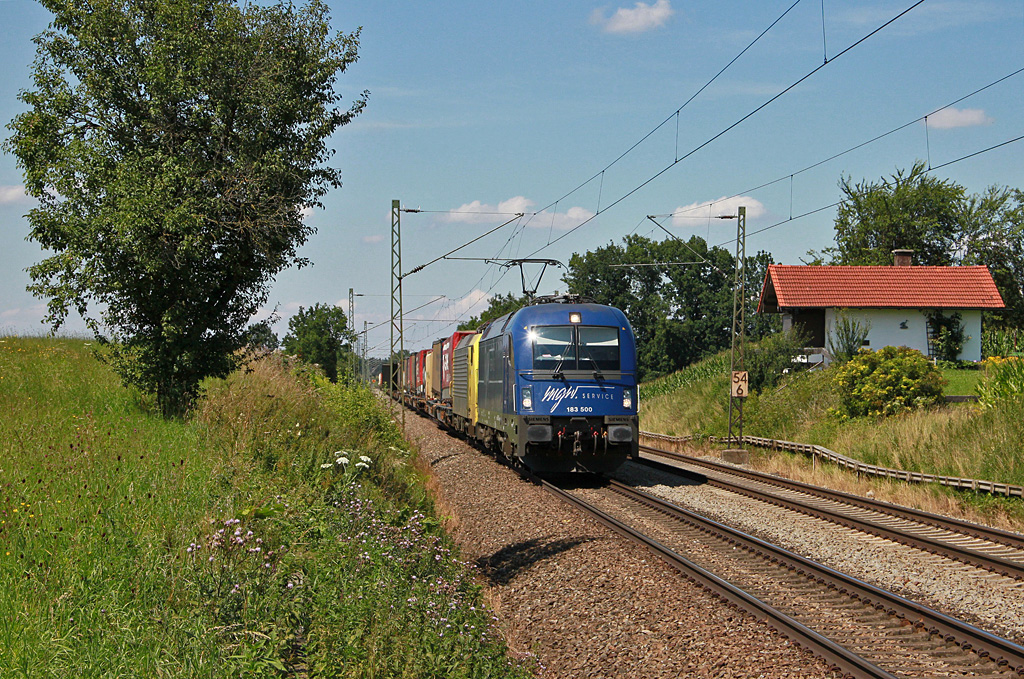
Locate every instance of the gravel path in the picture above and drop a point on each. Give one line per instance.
(992, 602)
(585, 602)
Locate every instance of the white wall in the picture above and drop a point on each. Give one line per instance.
(886, 331)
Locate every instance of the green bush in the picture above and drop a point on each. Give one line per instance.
(886, 382)
(766, 360)
(1003, 379)
(848, 335)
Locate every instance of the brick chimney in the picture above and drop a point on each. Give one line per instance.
(902, 257)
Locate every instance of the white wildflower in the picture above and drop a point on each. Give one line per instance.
(326, 465)
(363, 458)
(362, 465)
(341, 460)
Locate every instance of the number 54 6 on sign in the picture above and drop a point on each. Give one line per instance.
(739, 383)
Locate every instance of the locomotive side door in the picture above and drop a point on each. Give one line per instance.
(509, 378)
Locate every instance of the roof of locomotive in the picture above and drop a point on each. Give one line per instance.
(554, 314)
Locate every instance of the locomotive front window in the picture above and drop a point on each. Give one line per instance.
(554, 347)
(566, 347)
(599, 348)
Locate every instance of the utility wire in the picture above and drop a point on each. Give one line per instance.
(675, 113)
(852, 148)
(837, 203)
(519, 215)
(733, 125)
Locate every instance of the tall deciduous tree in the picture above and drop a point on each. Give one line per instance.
(912, 209)
(941, 223)
(319, 335)
(994, 225)
(172, 146)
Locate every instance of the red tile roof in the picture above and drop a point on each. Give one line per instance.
(933, 287)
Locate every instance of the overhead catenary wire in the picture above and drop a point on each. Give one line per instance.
(518, 215)
(675, 113)
(735, 124)
(839, 202)
(689, 153)
(855, 147)
(529, 216)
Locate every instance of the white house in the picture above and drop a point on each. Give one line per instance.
(894, 301)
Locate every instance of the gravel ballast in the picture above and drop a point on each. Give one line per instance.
(581, 600)
(987, 600)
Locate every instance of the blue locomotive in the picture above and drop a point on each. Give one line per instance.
(555, 386)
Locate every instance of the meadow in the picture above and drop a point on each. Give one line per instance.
(957, 439)
(282, 529)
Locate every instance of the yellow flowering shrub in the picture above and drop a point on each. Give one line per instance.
(889, 381)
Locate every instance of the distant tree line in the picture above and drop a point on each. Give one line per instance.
(677, 296)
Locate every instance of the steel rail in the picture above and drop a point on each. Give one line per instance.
(1008, 538)
(966, 555)
(843, 659)
(968, 637)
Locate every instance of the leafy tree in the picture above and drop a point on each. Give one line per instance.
(172, 147)
(319, 335)
(677, 296)
(994, 237)
(262, 336)
(499, 306)
(912, 210)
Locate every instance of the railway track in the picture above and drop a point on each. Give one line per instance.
(862, 630)
(992, 549)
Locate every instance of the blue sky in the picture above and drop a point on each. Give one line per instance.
(507, 107)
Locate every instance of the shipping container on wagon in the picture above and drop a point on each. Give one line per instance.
(464, 381)
(434, 387)
(447, 356)
(421, 364)
(428, 372)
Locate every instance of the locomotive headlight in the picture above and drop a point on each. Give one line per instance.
(627, 398)
(574, 317)
(528, 398)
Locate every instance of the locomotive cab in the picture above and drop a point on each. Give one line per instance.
(568, 396)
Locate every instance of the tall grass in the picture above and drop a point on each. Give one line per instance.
(957, 439)
(281, 530)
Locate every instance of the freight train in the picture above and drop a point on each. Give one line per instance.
(551, 385)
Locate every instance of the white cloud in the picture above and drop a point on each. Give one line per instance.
(373, 239)
(12, 195)
(684, 215)
(478, 212)
(561, 221)
(642, 17)
(306, 212)
(948, 118)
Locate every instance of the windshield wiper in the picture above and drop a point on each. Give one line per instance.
(590, 357)
(557, 372)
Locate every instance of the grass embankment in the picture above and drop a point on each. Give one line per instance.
(956, 439)
(233, 544)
